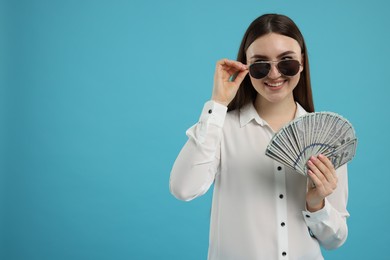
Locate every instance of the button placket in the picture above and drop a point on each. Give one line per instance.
(281, 206)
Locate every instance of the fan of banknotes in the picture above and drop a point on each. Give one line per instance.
(316, 133)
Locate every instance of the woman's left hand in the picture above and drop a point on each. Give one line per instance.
(323, 175)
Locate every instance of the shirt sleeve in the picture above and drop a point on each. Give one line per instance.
(329, 225)
(197, 163)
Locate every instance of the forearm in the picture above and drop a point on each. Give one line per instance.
(194, 169)
(328, 223)
(328, 226)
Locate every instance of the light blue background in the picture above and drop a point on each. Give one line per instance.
(96, 97)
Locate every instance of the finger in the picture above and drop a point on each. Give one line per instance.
(315, 179)
(236, 64)
(233, 64)
(323, 173)
(318, 166)
(314, 169)
(225, 71)
(240, 77)
(325, 160)
(232, 73)
(230, 70)
(326, 179)
(310, 183)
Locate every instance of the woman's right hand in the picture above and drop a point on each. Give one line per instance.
(225, 89)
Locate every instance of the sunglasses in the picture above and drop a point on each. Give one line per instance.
(260, 69)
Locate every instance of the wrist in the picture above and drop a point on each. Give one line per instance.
(224, 103)
(315, 207)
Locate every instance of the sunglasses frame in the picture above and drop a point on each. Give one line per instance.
(277, 63)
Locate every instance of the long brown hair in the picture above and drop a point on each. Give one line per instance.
(283, 25)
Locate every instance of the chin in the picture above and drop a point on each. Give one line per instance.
(275, 97)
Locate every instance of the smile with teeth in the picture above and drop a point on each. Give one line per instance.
(276, 84)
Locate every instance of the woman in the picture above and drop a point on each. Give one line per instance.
(261, 209)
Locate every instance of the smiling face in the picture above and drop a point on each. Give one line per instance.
(275, 87)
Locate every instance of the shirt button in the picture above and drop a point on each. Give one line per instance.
(282, 224)
(284, 254)
(210, 111)
(281, 196)
(279, 168)
(308, 216)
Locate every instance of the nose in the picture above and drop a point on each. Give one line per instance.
(274, 72)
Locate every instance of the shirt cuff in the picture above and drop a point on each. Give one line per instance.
(322, 215)
(213, 113)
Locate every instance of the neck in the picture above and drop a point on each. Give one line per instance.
(276, 114)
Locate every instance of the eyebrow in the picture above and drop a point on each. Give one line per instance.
(259, 56)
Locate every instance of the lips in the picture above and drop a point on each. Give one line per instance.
(274, 84)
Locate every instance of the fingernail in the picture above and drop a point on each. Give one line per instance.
(313, 158)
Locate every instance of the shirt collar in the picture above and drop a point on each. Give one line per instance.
(249, 113)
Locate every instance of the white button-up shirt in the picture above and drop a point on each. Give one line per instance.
(259, 205)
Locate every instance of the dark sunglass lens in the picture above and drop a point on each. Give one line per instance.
(259, 70)
(289, 67)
